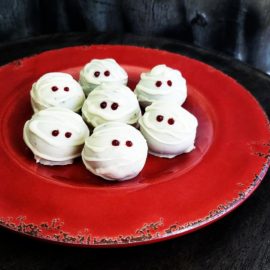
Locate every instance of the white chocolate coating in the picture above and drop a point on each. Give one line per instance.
(173, 86)
(69, 93)
(163, 139)
(62, 148)
(111, 162)
(89, 81)
(128, 110)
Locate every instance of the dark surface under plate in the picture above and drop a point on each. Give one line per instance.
(239, 241)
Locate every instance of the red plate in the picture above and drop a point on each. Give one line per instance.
(170, 197)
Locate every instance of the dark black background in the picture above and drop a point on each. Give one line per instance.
(239, 28)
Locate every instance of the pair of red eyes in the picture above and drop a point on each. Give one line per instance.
(160, 118)
(117, 143)
(114, 106)
(106, 73)
(159, 83)
(56, 132)
(55, 88)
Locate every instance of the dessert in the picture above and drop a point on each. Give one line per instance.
(168, 128)
(55, 136)
(161, 83)
(98, 71)
(57, 89)
(111, 102)
(115, 151)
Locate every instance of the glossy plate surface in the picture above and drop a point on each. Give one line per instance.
(170, 197)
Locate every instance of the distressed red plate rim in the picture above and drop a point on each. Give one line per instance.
(170, 197)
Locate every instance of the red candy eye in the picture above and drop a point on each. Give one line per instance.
(114, 106)
(159, 118)
(66, 89)
(158, 83)
(55, 132)
(96, 74)
(54, 88)
(68, 134)
(169, 82)
(115, 142)
(107, 73)
(129, 143)
(170, 121)
(103, 105)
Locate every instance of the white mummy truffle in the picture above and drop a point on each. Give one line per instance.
(161, 83)
(55, 135)
(99, 71)
(57, 89)
(169, 129)
(111, 102)
(115, 151)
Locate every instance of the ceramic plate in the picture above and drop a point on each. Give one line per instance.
(170, 197)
